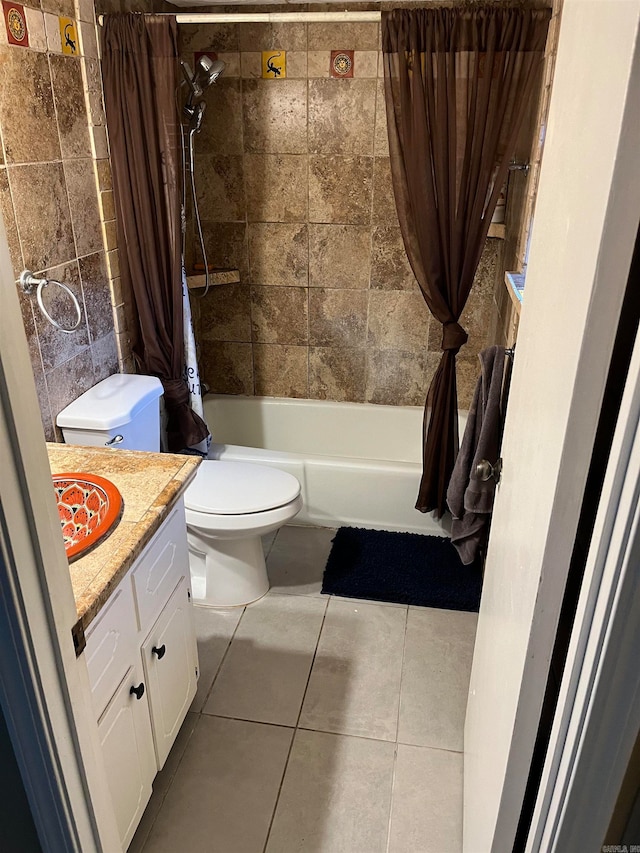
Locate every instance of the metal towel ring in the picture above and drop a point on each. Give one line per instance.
(28, 281)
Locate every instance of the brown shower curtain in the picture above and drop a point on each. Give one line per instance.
(139, 67)
(458, 82)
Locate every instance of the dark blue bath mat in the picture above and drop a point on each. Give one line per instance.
(405, 568)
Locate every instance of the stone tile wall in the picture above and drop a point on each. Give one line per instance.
(54, 194)
(295, 191)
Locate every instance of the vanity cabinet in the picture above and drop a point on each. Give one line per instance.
(127, 746)
(142, 662)
(170, 667)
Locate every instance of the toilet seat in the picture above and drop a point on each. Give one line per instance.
(239, 488)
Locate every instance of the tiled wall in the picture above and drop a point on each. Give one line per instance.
(52, 160)
(295, 192)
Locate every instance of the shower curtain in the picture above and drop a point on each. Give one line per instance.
(139, 66)
(191, 371)
(458, 82)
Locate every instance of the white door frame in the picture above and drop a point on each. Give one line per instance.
(598, 713)
(583, 236)
(70, 803)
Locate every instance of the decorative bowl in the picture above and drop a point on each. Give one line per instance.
(88, 507)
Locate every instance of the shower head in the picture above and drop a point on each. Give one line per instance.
(207, 72)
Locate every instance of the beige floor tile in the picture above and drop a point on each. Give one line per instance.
(297, 560)
(162, 782)
(225, 789)
(435, 677)
(214, 630)
(426, 810)
(335, 796)
(265, 673)
(355, 681)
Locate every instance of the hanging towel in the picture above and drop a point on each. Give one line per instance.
(469, 498)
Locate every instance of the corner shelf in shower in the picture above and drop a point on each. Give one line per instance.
(197, 282)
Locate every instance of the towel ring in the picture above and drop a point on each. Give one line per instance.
(28, 281)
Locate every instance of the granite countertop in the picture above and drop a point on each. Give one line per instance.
(150, 485)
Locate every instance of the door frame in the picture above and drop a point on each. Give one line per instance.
(598, 714)
(583, 238)
(44, 688)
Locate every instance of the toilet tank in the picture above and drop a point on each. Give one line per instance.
(122, 411)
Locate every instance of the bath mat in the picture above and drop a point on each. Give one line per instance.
(404, 568)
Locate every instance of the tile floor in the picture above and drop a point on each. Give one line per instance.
(321, 724)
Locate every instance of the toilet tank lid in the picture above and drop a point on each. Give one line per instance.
(111, 403)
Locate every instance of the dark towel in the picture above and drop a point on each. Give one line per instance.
(469, 498)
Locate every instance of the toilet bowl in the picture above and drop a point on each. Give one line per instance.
(229, 505)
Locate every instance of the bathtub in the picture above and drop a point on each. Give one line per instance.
(358, 464)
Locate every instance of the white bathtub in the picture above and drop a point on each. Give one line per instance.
(358, 464)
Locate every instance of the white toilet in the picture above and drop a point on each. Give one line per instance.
(229, 505)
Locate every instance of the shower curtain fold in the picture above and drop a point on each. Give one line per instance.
(139, 66)
(458, 82)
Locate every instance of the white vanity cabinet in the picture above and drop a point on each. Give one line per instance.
(142, 661)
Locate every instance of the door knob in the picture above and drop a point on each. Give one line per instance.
(486, 471)
(160, 652)
(138, 691)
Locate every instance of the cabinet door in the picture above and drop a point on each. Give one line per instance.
(159, 568)
(127, 745)
(170, 660)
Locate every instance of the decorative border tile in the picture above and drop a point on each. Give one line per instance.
(15, 22)
(274, 64)
(68, 36)
(342, 63)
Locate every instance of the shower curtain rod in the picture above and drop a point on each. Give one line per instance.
(267, 17)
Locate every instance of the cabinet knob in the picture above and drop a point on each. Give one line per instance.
(159, 651)
(137, 691)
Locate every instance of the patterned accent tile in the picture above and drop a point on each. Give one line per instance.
(15, 22)
(274, 64)
(341, 63)
(70, 41)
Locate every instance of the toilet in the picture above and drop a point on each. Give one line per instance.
(229, 506)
